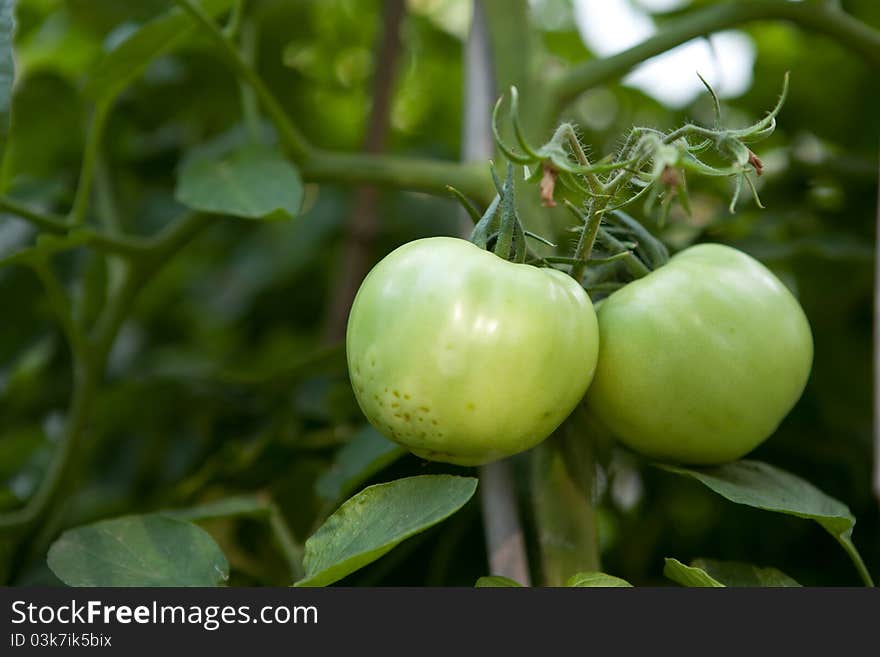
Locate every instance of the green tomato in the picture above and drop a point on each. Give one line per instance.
(700, 360)
(464, 357)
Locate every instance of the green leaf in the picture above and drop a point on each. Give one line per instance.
(7, 68)
(596, 580)
(120, 66)
(252, 182)
(62, 46)
(689, 575)
(735, 573)
(145, 550)
(762, 486)
(496, 581)
(377, 519)
(228, 507)
(358, 460)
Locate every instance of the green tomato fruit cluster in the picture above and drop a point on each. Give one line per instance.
(464, 357)
(700, 360)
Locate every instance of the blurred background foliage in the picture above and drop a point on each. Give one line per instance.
(222, 381)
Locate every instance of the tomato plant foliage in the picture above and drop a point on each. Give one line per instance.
(193, 193)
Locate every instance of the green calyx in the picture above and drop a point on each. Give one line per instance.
(651, 166)
(499, 227)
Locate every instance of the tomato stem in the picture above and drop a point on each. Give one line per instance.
(584, 248)
(508, 218)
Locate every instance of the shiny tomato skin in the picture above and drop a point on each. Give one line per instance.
(700, 360)
(464, 357)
